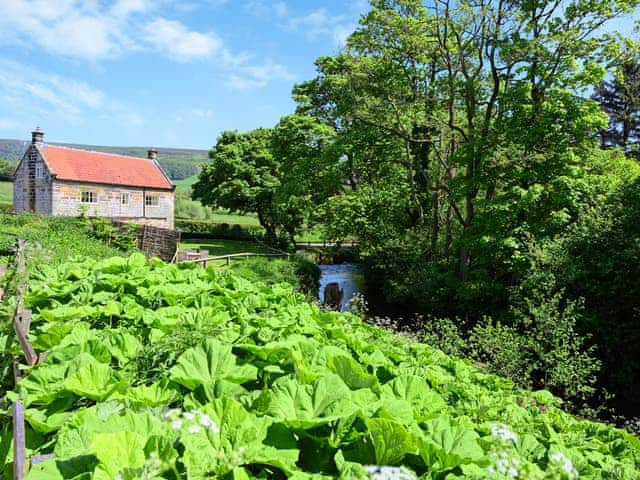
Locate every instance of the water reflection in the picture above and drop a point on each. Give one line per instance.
(347, 275)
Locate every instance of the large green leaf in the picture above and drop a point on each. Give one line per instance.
(95, 381)
(445, 446)
(210, 362)
(237, 441)
(307, 406)
(352, 373)
(116, 452)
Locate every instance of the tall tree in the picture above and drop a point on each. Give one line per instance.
(243, 176)
(620, 99)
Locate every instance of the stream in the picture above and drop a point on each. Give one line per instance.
(349, 276)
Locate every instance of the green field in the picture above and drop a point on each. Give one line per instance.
(6, 192)
(225, 247)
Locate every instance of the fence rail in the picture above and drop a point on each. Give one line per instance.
(21, 325)
(204, 260)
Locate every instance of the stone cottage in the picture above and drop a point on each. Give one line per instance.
(55, 180)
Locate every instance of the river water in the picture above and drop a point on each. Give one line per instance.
(348, 275)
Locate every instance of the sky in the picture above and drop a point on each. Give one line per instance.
(163, 73)
(159, 73)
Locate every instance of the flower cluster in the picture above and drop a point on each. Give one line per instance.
(195, 421)
(565, 464)
(378, 472)
(504, 466)
(502, 432)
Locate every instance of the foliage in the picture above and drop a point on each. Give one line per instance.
(6, 192)
(464, 144)
(620, 99)
(242, 177)
(251, 382)
(122, 237)
(299, 272)
(7, 169)
(204, 229)
(51, 239)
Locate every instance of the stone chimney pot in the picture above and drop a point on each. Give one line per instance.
(152, 154)
(37, 136)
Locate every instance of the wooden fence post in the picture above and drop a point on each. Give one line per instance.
(19, 449)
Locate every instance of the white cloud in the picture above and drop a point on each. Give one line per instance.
(94, 31)
(264, 8)
(202, 112)
(321, 23)
(7, 123)
(124, 8)
(253, 76)
(40, 96)
(180, 43)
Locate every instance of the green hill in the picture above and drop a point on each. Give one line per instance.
(179, 163)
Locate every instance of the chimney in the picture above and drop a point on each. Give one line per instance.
(152, 154)
(37, 136)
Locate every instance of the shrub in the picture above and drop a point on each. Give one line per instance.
(202, 229)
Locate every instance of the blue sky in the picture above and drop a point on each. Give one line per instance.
(159, 72)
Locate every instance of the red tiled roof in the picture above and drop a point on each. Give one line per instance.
(96, 167)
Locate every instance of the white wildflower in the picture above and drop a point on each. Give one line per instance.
(194, 429)
(566, 464)
(176, 424)
(379, 472)
(206, 422)
(504, 466)
(189, 416)
(502, 432)
(174, 412)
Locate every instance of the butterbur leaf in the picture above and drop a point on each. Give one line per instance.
(307, 406)
(445, 446)
(136, 260)
(238, 442)
(116, 452)
(161, 393)
(352, 373)
(52, 418)
(123, 346)
(384, 442)
(95, 381)
(205, 364)
(415, 390)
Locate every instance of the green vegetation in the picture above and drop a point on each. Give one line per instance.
(459, 146)
(225, 247)
(51, 240)
(171, 371)
(6, 192)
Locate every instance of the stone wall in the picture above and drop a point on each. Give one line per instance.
(156, 242)
(67, 200)
(33, 181)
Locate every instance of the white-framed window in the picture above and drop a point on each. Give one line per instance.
(88, 197)
(39, 171)
(124, 199)
(151, 200)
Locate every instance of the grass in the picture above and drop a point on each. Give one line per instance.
(6, 192)
(185, 183)
(225, 247)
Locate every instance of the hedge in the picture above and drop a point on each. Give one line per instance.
(204, 229)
